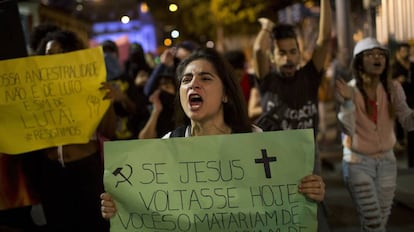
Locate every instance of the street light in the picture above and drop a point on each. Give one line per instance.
(144, 7)
(125, 19)
(173, 7)
(167, 42)
(210, 44)
(175, 34)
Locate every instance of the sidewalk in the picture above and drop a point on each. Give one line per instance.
(342, 212)
(405, 187)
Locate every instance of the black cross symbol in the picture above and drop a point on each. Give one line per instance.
(266, 160)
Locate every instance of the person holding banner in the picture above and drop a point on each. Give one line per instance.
(289, 91)
(59, 41)
(369, 105)
(211, 102)
(73, 171)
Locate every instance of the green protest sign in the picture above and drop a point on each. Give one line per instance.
(238, 182)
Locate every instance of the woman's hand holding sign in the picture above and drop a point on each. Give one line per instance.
(108, 208)
(313, 187)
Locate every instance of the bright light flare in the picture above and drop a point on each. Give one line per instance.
(175, 34)
(79, 7)
(144, 7)
(167, 42)
(173, 7)
(210, 44)
(125, 19)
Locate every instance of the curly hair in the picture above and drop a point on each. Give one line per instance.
(68, 40)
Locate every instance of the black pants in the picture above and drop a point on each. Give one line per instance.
(410, 149)
(70, 195)
(18, 219)
(323, 225)
(399, 131)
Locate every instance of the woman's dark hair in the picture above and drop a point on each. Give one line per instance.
(403, 45)
(136, 61)
(39, 32)
(235, 109)
(236, 58)
(358, 72)
(110, 46)
(68, 40)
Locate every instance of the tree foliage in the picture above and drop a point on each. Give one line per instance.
(232, 12)
(200, 19)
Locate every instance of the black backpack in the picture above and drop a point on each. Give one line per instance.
(178, 132)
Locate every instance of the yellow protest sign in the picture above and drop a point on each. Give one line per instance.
(50, 100)
(228, 183)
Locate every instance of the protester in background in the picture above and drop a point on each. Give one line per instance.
(247, 81)
(38, 33)
(137, 61)
(237, 60)
(20, 209)
(159, 91)
(111, 56)
(161, 119)
(71, 176)
(169, 60)
(130, 102)
(289, 94)
(211, 103)
(59, 41)
(367, 115)
(403, 71)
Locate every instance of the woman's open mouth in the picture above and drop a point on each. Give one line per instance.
(195, 101)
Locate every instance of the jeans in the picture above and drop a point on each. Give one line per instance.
(371, 182)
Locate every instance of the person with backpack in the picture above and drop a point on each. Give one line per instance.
(211, 103)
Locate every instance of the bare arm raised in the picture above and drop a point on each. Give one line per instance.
(262, 51)
(325, 28)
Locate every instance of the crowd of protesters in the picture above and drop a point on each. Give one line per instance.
(143, 95)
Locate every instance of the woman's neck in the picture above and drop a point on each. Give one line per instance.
(371, 86)
(209, 128)
(371, 82)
